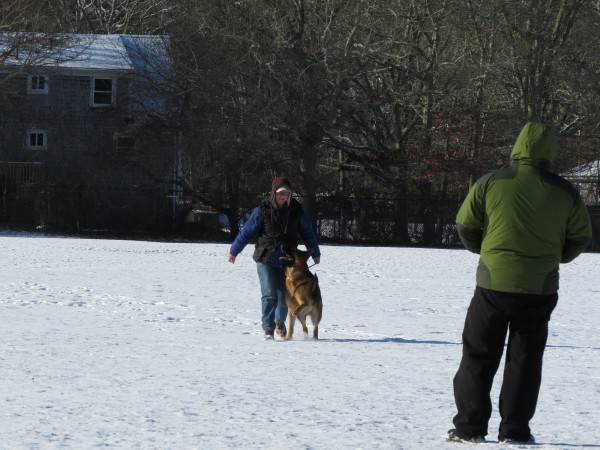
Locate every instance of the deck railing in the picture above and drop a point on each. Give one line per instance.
(22, 173)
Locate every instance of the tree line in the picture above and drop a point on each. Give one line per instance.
(382, 112)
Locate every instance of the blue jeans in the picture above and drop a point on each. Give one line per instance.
(272, 289)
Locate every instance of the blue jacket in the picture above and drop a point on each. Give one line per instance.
(254, 226)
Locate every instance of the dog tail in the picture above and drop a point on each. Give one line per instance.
(315, 287)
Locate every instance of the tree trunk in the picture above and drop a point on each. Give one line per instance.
(309, 182)
(233, 199)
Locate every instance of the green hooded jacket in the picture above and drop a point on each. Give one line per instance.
(524, 220)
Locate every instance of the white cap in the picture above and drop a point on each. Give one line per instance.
(283, 188)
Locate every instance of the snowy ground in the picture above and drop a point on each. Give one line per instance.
(126, 344)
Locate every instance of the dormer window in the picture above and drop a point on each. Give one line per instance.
(37, 139)
(103, 92)
(37, 84)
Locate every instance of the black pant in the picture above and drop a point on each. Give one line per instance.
(489, 316)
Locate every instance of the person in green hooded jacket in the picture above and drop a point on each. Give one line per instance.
(523, 221)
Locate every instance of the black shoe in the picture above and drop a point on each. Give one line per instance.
(268, 335)
(455, 436)
(518, 441)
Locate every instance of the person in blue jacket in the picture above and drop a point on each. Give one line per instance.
(278, 223)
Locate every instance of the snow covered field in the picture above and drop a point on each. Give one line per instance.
(130, 344)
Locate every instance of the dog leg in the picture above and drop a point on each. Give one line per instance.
(302, 319)
(291, 319)
(316, 319)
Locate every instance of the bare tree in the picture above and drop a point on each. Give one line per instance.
(536, 34)
(263, 78)
(113, 16)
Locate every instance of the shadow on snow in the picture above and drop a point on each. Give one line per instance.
(398, 340)
(393, 340)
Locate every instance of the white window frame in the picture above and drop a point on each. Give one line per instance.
(37, 91)
(37, 132)
(113, 92)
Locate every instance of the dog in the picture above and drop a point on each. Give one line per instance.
(303, 295)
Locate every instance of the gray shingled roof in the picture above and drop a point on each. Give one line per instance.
(144, 57)
(97, 52)
(587, 170)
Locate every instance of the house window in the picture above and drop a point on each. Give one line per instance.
(37, 84)
(103, 92)
(37, 139)
(124, 144)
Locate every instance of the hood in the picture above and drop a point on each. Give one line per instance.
(536, 143)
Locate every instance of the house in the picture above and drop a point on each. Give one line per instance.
(586, 178)
(88, 132)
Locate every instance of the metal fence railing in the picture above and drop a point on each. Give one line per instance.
(22, 173)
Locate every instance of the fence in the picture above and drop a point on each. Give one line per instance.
(364, 220)
(385, 220)
(20, 184)
(77, 208)
(595, 216)
(22, 173)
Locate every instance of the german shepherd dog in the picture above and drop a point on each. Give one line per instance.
(303, 296)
